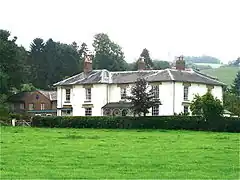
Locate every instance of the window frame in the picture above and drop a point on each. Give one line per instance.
(22, 106)
(185, 93)
(155, 91)
(30, 109)
(68, 95)
(88, 94)
(123, 93)
(155, 110)
(88, 111)
(42, 106)
(184, 108)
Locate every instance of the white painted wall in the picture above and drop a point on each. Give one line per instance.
(100, 97)
(194, 89)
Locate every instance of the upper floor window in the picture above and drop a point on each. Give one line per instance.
(68, 94)
(31, 106)
(88, 94)
(155, 89)
(88, 111)
(185, 93)
(123, 93)
(155, 110)
(22, 106)
(42, 106)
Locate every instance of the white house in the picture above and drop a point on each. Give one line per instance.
(101, 92)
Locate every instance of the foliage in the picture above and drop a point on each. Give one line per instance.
(235, 88)
(142, 98)
(147, 59)
(13, 66)
(160, 64)
(225, 74)
(43, 153)
(108, 54)
(148, 122)
(207, 106)
(52, 61)
(235, 63)
(231, 103)
(202, 59)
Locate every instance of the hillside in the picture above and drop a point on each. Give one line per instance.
(224, 74)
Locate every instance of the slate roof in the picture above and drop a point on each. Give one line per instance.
(52, 95)
(118, 105)
(120, 77)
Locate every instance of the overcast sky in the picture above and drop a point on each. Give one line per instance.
(165, 27)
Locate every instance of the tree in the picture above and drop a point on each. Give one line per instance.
(160, 64)
(108, 55)
(235, 88)
(13, 63)
(231, 102)
(209, 107)
(142, 98)
(148, 61)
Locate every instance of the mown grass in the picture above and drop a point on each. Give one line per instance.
(224, 74)
(36, 153)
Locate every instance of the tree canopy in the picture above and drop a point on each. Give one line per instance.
(209, 107)
(142, 97)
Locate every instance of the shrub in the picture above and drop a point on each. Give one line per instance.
(228, 124)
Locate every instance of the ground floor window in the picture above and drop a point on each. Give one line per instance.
(66, 112)
(88, 111)
(155, 111)
(185, 109)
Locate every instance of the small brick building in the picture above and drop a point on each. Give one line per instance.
(38, 102)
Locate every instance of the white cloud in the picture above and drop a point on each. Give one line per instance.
(189, 27)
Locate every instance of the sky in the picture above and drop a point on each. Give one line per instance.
(167, 28)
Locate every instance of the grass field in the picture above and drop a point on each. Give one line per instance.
(224, 74)
(31, 153)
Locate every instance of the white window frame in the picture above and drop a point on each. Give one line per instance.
(123, 92)
(30, 109)
(185, 108)
(155, 90)
(155, 110)
(88, 94)
(88, 111)
(22, 106)
(42, 106)
(68, 95)
(185, 93)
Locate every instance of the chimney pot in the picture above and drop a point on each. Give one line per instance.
(180, 63)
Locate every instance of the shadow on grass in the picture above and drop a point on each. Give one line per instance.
(79, 137)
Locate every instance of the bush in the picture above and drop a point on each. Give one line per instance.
(224, 124)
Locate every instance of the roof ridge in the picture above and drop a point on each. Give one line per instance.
(170, 74)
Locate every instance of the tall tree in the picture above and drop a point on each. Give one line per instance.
(235, 88)
(142, 98)
(13, 61)
(147, 59)
(161, 64)
(108, 55)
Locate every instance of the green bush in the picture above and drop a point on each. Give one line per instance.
(227, 124)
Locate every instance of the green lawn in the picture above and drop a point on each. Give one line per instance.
(31, 153)
(224, 74)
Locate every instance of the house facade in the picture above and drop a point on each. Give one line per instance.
(101, 92)
(42, 103)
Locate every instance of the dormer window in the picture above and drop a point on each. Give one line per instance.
(123, 93)
(88, 93)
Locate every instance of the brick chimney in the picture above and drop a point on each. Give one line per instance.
(87, 67)
(180, 63)
(141, 64)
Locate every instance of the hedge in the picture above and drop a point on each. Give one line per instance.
(225, 124)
